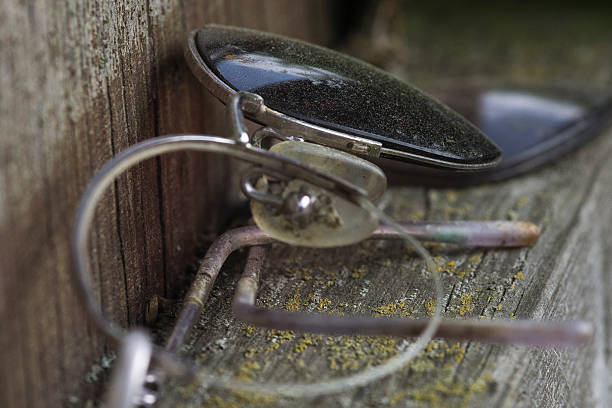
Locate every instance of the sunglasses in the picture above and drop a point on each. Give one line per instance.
(332, 128)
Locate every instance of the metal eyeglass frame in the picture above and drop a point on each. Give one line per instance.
(137, 351)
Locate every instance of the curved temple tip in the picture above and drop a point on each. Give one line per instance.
(501, 233)
(539, 333)
(583, 332)
(476, 233)
(530, 231)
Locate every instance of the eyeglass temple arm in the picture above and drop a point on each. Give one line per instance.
(210, 266)
(530, 332)
(491, 233)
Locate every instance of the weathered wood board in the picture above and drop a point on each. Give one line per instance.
(565, 275)
(80, 82)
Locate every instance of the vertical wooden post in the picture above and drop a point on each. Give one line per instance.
(80, 82)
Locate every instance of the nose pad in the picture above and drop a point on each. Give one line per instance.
(312, 216)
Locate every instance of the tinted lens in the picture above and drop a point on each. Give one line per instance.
(326, 88)
(531, 126)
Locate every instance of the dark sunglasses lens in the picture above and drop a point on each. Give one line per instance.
(337, 92)
(531, 126)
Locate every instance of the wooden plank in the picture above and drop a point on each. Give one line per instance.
(82, 81)
(564, 276)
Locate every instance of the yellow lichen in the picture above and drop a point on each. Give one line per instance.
(248, 371)
(417, 215)
(449, 389)
(238, 399)
(430, 307)
(385, 262)
(474, 259)
(354, 353)
(466, 304)
(271, 348)
(460, 354)
(248, 329)
(324, 304)
(360, 272)
(390, 309)
(306, 341)
(280, 336)
(383, 347)
(519, 275)
(294, 303)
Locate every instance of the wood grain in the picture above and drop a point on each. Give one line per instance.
(81, 81)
